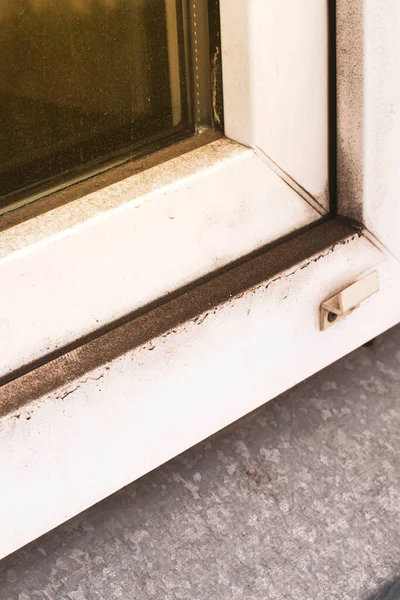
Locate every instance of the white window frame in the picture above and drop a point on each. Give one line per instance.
(106, 253)
(89, 433)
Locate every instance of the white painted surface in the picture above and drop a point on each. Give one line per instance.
(151, 405)
(82, 265)
(369, 116)
(275, 68)
(382, 121)
(207, 210)
(238, 56)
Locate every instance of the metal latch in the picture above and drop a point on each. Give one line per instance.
(343, 303)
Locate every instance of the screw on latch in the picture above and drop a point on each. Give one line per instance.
(332, 317)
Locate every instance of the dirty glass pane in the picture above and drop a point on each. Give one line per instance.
(85, 82)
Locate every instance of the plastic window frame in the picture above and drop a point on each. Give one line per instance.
(182, 371)
(103, 249)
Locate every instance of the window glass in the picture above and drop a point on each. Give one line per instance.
(85, 84)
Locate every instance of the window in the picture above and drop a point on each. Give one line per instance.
(92, 262)
(92, 254)
(87, 84)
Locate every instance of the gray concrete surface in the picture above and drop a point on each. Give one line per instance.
(299, 500)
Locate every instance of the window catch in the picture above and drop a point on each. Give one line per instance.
(350, 298)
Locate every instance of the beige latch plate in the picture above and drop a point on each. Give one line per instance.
(350, 298)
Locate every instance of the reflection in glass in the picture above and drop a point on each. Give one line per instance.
(85, 81)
